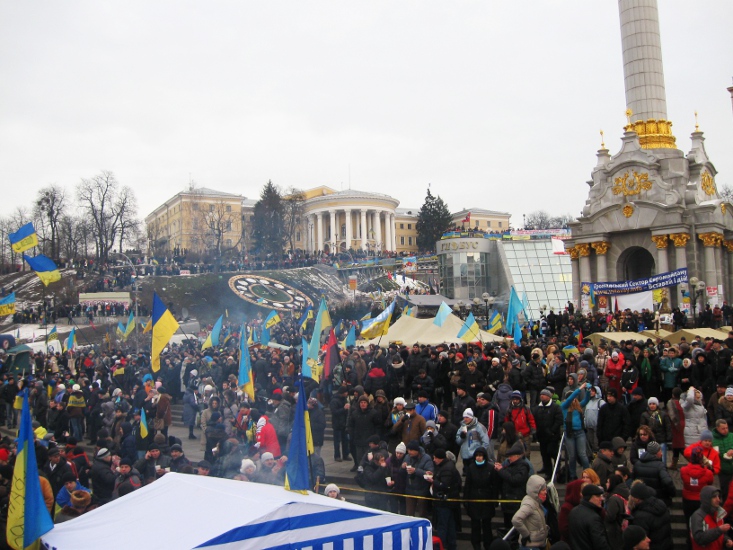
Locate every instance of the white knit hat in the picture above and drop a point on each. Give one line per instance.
(331, 487)
(401, 448)
(468, 413)
(399, 401)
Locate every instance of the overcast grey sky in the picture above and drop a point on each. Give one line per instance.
(497, 104)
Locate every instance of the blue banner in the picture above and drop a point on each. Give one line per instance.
(614, 288)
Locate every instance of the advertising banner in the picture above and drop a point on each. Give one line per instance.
(616, 288)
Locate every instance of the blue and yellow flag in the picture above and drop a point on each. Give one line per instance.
(410, 311)
(351, 337)
(592, 296)
(469, 331)
(53, 334)
(143, 424)
(44, 268)
(297, 476)
(28, 517)
(120, 331)
(513, 311)
(246, 378)
(164, 326)
(24, 238)
(130, 325)
(148, 326)
(272, 319)
(70, 342)
(379, 325)
(367, 316)
(323, 321)
(444, 311)
(7, 305)
(495, 324)
(213, 338)
(307, 314)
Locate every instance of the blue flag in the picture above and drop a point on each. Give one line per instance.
(246, 378)
(512, 314)
(297, 477)
(443, 313)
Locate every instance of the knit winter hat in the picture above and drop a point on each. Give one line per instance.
(516, 449)
(401, 448)
(706, 435)
(247, 463)
(729, 391)
(266, 456)
(331, 487)
(653, 447)
(633, 535)
(468, 413)
(652, 401)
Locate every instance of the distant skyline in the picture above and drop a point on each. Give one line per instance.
(496, 105)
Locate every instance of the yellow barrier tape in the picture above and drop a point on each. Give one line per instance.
(496, 500)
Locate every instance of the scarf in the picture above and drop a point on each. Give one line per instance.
(646, 369)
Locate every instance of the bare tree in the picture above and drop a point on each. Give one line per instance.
(540, 219)
(49, 208)
(19, 219)
(108, 207)
(293, 207)
(726, 192)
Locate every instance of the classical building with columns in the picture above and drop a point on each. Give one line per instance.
(651, 208)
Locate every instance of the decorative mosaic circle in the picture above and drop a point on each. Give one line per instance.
(268, 293)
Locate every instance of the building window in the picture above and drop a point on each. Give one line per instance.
(228, 226)
(409, 241)
(499, 224)
(195, 206)
(229, 208)
(402, 241)
(297, 235)
(488, 223)
(402, 226)
(409, 226)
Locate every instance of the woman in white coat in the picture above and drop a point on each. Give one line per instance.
(529, 521)
(696, 420)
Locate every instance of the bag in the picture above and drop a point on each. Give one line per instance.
(159, 424)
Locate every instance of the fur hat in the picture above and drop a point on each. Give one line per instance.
(247, 463)
(80, 499)
(331, 487)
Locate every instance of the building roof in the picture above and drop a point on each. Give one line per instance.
(206, 192)
(479, 212)
(407, 212)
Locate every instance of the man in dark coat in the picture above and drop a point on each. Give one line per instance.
(102, 476)
(446, 485)
(363, 423)
(318, 423)
(55, 469)
(339, 416)
(613, 419)
(652, 514)
(513, 474)
(462, 402)
(653, 472)
(548, 419)
(587, 531)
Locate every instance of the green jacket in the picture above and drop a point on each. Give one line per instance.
(723, 445)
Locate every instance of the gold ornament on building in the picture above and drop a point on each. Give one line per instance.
(573, 251)
(711, 239)
(622, 185)
(660, 241)
(723, 208)
(583, 249)
(707, 183)
(728, 245)
(601, 247)
(697, 126)
(627, 210)
(680, 239)
(653, 133)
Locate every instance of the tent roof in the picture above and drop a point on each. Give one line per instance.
(694, 333)
(661, 333)
(616, 337)
(410, 330)
(264, 516)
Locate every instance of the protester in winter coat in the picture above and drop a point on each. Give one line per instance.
(529, 520)
(723, 443)
(652, 514)
(613, 418)
(695, 477)
(587, 531)
(696, 420)
(471, 436)
(654, 474)
(617, 516)
(446, 482)
(707, 523)
(481, 484)
(417, 463)
(572, 499)
(523, 419)
(514, 474)
(548, 418)
(592, 408)
(658, 420)
(644, 436)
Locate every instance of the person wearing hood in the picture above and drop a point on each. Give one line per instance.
(375, 379)
(587, 373)
(572, 385)
(128, 448)
(127, 480)
(514, 473)
(572, 499)
(523, 419)
(529, 520)
(708, 529)
(603, 464)
(503, 398)
(591, 416)
(471, 436)
(617, 509)
(587, 531)
(481, 484)
(549, 421)
(696, 419)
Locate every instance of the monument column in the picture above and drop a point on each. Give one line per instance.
(392, 231)
(584, 259)
(601, 249)
(363, 229)
(680, 249)
(347, 216)
(334, 230)
(729, 280)
(710, 242)
(319, 231)
(378, 229)
(387, 232)
(662, 263)
(576, 273)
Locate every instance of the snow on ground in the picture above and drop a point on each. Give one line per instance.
(36, 332)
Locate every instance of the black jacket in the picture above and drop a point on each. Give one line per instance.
(363, 425)
(339, 415)
(587, 531)
(549, 422)
(652, 471)
(318, 425)
(460, 404)
(481, 484)
(446, 483)
(653, 515)
(103, 480)
(613, 421)
(514, 478)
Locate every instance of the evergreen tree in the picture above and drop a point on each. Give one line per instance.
(268, 227)
(433, 220)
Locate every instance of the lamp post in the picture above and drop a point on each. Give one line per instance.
(697, 288)
(136, 288)
(488, 299)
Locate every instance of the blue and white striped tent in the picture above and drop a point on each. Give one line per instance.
(201, 512)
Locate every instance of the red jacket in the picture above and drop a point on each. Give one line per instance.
(267, 438)
(613, 372)
(694, 478)
(523, 420)
(711, 454)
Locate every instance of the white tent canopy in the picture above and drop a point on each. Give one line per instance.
(410, 330)
(203, 512)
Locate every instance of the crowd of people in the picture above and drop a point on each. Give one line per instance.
(429, 431)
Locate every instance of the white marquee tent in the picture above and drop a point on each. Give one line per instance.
(201, 512)
(410, 330)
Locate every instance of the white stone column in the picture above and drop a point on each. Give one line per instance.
(601, 249)
(334, 229)
(387, 232)
(319, 231)
(576, 273)
(364, 234)
(584, 259)
(347, 216)
(392, 231)
(662, 258)
(378, 229)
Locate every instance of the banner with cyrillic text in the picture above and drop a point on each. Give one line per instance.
(615, 288)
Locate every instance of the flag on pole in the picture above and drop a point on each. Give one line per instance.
(24, 238)
(148, 325)
(53, 334)
(351, 337)
(164, 326)
(7, 305)
(70, 342)
(379, 325)
(28, 517)
(297, 472)
(246, 378)
(308, 367)
(44, 267)
(495, 324)
(513, 311)
(272, 319)
(213, 338)
(525, 306)
(130, 325)
(332, 357)
(517, 332)
(592, 296)
(444, 312)
(307, 314)
(120, 330)
(143, 424)
(323, 321)
(469, 331)
(366, 317)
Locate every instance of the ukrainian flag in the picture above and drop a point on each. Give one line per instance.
(53, 335)
(323, 321)
(70, 342)
(351, 337)
(469, 331)
(297, 476)
(28, 517)
(148, 326)
(24, 238)
(130, 325)
(495, 324)
(592, 296)
(379, 325)
(7, 305)
(120, 330)
(44, 268)
(143, 424)
(444, 312)
(164, 326)
(246, 378)
(307, 314)
(213, 338)
(272, 319)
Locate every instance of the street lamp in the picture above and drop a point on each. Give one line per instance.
(488, 300)
(697, 288)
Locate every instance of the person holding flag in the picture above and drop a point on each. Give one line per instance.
(297, 476)
(164, 326)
